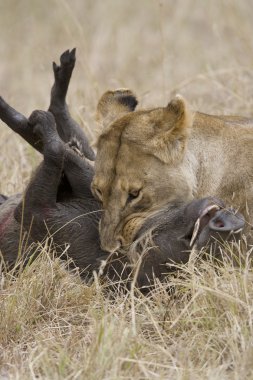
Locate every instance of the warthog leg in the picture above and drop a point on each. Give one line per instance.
(18, 123)
(43, 190)
(67, 128)
(76, 174)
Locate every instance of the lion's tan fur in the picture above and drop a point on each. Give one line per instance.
(167, 154)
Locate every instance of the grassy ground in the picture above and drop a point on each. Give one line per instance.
(52, 326)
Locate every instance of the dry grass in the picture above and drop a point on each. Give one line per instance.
(52, 326)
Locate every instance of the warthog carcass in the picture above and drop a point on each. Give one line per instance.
(58, 202)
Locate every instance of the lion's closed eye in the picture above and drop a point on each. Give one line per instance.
(134, 196)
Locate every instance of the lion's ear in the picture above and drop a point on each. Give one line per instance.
(170, 142)
(114, 104)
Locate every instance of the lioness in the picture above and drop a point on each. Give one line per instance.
(149, 158)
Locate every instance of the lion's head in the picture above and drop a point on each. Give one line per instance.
(138, 167)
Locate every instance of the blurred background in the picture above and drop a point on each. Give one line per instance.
(201, 49)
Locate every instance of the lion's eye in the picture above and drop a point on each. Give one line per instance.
(133, 194)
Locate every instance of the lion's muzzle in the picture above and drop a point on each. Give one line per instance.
(115, 235)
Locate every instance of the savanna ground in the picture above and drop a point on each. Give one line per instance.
(53, 326)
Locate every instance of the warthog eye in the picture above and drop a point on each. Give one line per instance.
(133, 194)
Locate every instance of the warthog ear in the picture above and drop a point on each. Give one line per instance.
(170, 141)
(114, 104)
